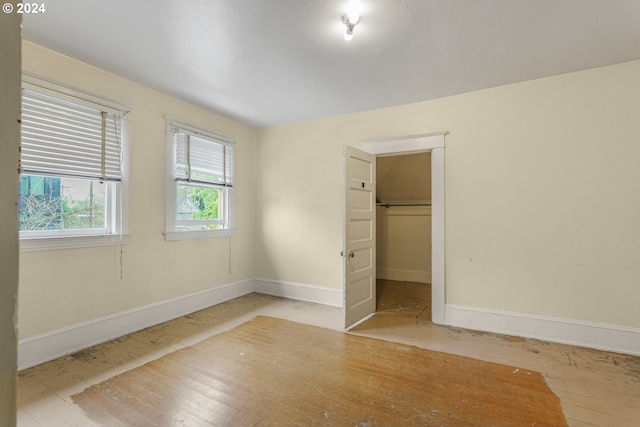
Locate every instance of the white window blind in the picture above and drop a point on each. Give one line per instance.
(202, 158)
(63, 138)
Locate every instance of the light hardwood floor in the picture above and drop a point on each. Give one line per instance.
(595, 388)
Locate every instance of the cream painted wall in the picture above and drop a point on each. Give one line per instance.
(65, 287)
(403, 243)
(10, 41)
(404, 178)
(541, 192)
(300, 208)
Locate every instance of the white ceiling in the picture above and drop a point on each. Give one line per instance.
(271, 62)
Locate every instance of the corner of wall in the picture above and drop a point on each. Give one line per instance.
(10, 83)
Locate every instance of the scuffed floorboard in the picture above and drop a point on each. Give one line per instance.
(274, 372)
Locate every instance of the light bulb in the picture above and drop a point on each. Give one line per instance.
(348, 35)
(350, 20)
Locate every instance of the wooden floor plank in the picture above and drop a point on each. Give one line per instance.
(262, 373)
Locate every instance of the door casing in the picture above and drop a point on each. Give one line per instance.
(434, 143)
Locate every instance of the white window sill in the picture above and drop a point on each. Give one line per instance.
(31, 244)
(200, 234)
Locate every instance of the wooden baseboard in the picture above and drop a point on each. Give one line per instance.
(404, 275)
(42, 348)
(300, 291)
(598, 336)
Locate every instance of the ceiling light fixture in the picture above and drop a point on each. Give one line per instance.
(350, 20)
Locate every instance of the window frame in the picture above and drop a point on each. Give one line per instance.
(171, 231)
(116, 221)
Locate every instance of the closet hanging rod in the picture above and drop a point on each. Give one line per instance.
(386, 205)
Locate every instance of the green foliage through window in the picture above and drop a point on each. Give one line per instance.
(199, 203)
(50, 203)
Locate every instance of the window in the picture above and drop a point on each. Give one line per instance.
(71, 167)
(200, 186)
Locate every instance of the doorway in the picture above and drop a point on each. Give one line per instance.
(435, 144)
(403, 236)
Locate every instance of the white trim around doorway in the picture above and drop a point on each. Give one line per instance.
(433, 142)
